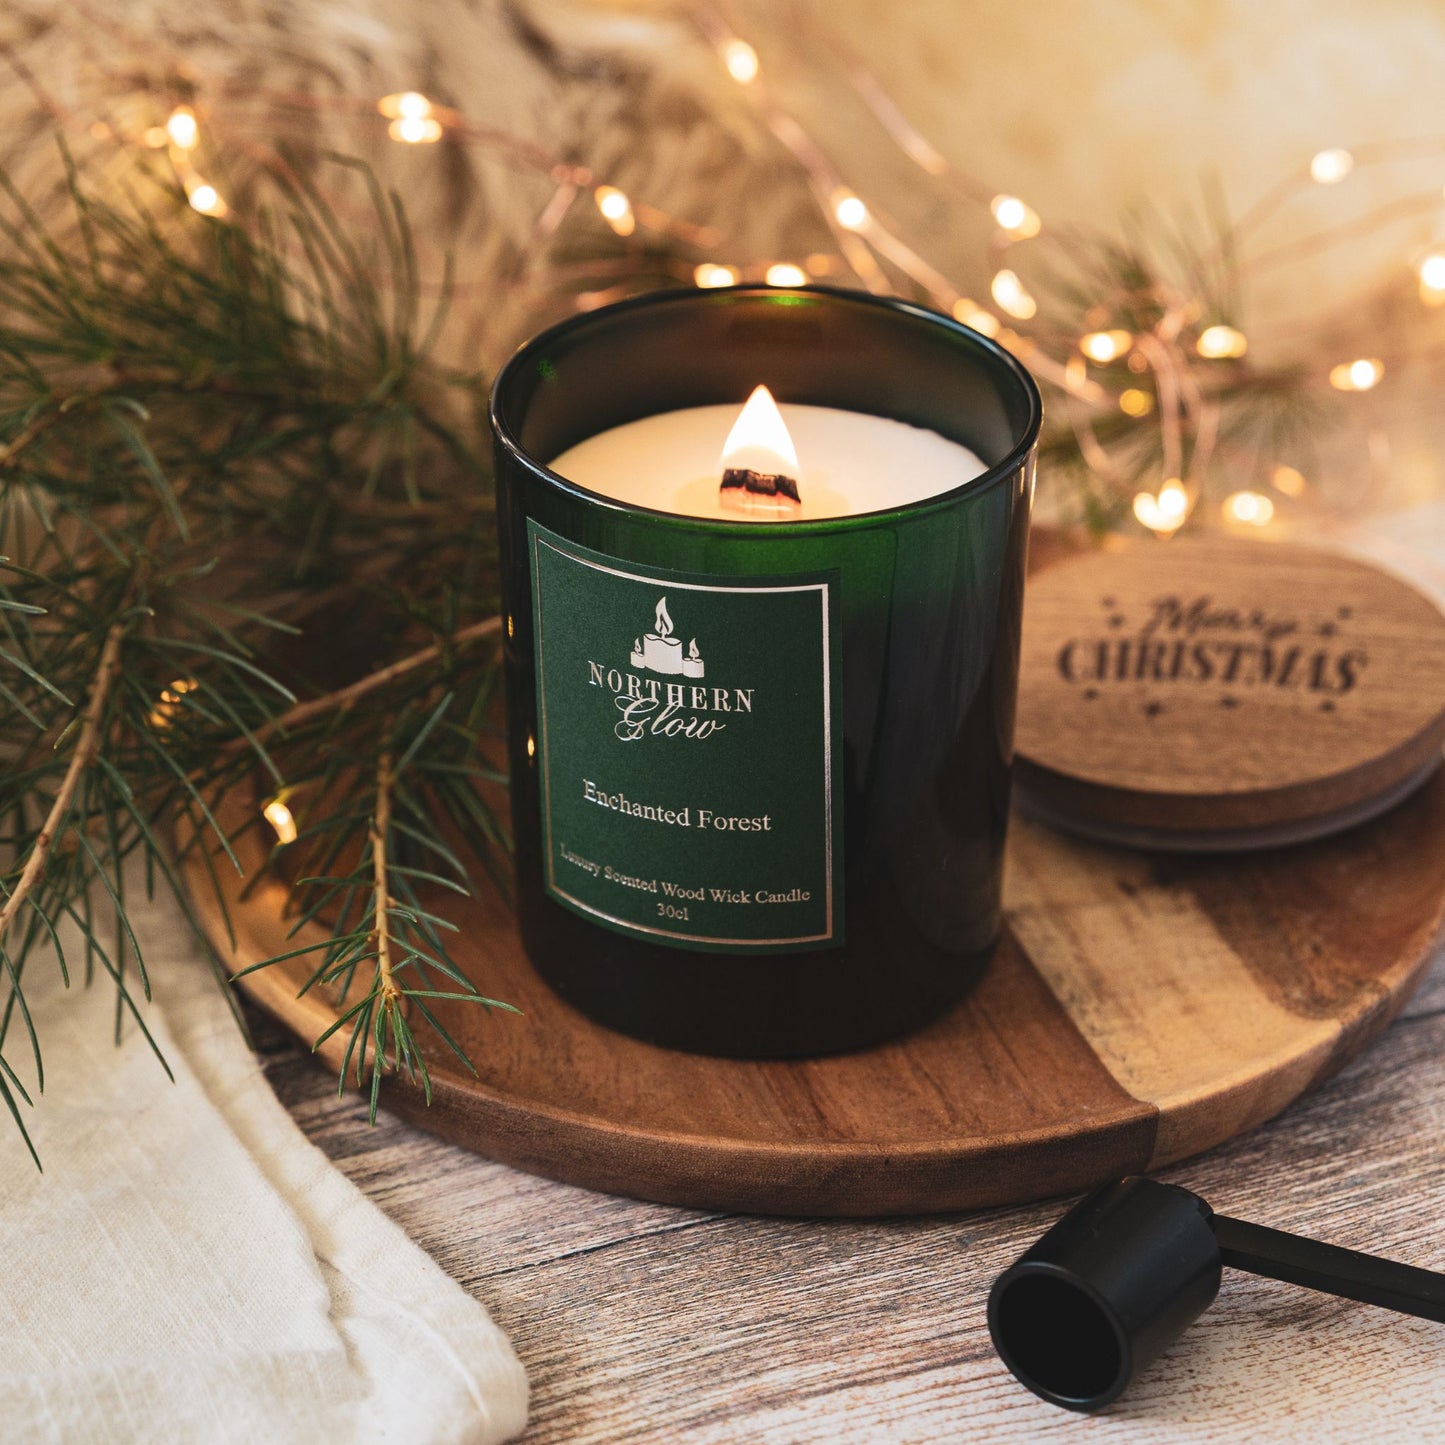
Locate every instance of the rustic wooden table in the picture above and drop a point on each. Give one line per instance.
(640, 1323)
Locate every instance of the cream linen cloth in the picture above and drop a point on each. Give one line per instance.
(189, 1268)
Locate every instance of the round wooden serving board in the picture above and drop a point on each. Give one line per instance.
(1141, 1008)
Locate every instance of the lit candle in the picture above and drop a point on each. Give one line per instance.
(761, 659)
(844, 462)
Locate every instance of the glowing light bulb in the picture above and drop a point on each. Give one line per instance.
(1105, 346)
(206, 199)
(1165, 513)
(1015, 216)
(1432, 279)
(616, 209)
(1219, 342)
(280, 817)
(182, 128)
(1331, 166)
(1289, 481)
(405, 105)
(415, 130)
(1358, 375)
(1173, 502)
(849, 211)
(784, 273)
(612, 203)
(710, 274)
(741, 61)
(1134, 402)
(169, 702)
(1011, 295)
(1252, 508)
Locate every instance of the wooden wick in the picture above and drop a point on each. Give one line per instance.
(748, 490)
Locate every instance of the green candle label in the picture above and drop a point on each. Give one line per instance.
(689, 748)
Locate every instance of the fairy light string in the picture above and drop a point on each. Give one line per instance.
(1158, 378)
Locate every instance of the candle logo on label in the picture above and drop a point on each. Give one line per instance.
(689, 788)
(660, 651)
(666, 710)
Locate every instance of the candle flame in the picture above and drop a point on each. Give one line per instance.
(692, 651)
(759, 440)
(663, 621)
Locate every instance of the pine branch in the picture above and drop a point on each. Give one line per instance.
(381, 902)
(349, 696)
(209, 432)
(86, 747)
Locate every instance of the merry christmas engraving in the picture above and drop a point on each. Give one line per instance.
(1198, 642)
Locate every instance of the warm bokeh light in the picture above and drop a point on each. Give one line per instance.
(972, 314)
(280, 817)
(155, 137)
(1431, 271)
(1252, 508)
(415, 130)
(1135, 402)
(710, 274)
(616, 209)
(741, 61)
(1219, 342)
(1330, 166)
(182, 129)
(1288, 480)
(1358, 375)
(169, 702)
(784, 273)
(849, 211)
(1016, 217)
(1105, 346)
(531, 746)
(1166, 513)
(1173, 501)
(1012, 296)
(405, 105)
(206, 199)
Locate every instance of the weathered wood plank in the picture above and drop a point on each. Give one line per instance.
(650, 1324)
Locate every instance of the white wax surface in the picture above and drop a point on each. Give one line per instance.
(849, 463)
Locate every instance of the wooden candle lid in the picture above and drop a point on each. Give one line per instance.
(1215, 694)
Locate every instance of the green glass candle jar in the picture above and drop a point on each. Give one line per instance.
(760, 769)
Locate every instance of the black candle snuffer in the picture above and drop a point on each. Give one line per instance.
(1128, 1269)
